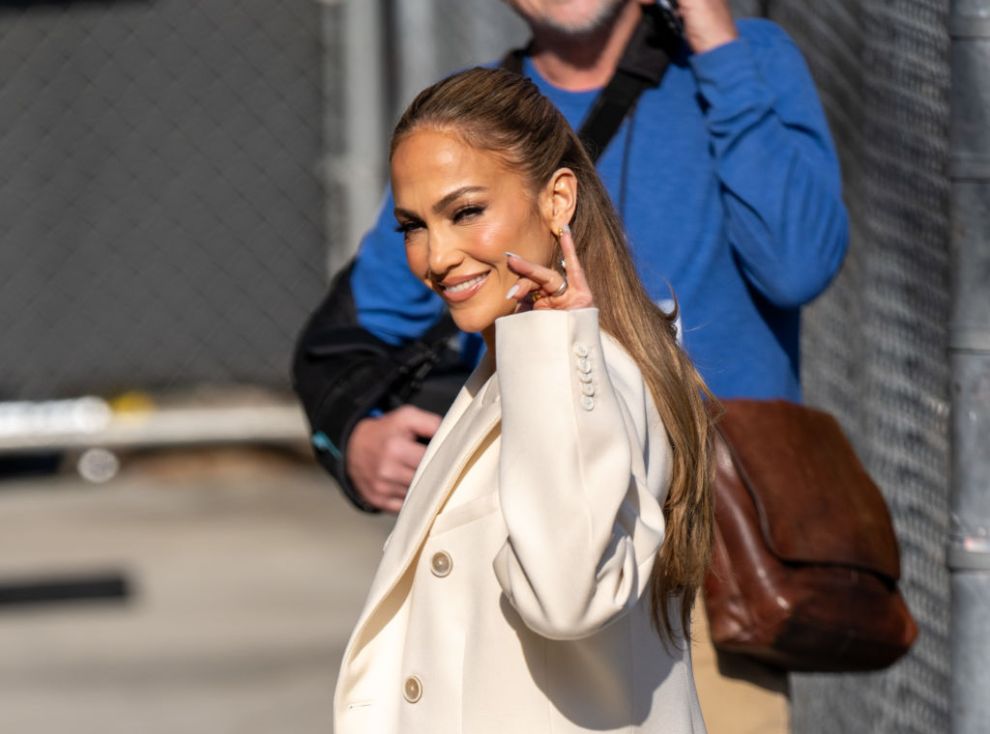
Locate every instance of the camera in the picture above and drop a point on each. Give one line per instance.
(671, 16)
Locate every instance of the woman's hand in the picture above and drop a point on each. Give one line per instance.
(545, 288)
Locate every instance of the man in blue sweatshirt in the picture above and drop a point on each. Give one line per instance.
(727, 181)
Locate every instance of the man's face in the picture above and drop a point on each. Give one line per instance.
(571, 17)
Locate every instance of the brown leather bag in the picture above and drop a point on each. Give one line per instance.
(805, 568)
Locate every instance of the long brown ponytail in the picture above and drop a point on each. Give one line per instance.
(504, 113)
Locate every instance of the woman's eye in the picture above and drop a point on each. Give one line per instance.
(407, 227)
(467, 213)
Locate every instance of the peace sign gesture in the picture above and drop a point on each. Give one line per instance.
(544, 288)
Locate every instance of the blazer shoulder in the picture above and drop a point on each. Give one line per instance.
(631, 388)
(621, 367)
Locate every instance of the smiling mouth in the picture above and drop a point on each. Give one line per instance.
(465, 286)
(463, 290)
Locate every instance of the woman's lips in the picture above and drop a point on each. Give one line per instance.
(463, 290)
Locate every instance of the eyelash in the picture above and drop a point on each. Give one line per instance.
(467, 211)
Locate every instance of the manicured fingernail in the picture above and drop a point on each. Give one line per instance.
(512, 291)
(511, 254)
(566, 229)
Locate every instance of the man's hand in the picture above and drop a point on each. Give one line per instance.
(383, 453)
(707, 24)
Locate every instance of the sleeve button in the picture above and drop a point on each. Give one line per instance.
(587, 402)
(581, 350)
(587, 389)
(584, 365)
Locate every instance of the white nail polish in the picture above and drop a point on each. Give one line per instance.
(512, 254)
(512, 291)
(566, 228)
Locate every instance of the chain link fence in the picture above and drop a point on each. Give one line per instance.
(160, 204)
(875, 345)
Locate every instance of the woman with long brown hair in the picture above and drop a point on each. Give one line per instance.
(541, 573)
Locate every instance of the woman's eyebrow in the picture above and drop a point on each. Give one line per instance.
(454, 195)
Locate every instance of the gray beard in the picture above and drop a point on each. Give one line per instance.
(605, 14)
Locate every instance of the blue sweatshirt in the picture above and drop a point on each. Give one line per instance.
(728, 184)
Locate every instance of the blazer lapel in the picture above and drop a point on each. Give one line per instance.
(430, 491)
(474, 414)
(473, 386)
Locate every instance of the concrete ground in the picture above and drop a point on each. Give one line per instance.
(247, 577)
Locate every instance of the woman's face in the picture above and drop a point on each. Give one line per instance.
(460, 210)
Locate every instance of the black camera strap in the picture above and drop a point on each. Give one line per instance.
(643, 64)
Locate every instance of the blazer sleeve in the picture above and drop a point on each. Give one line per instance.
(583, 472)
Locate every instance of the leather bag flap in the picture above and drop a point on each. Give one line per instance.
(815, 501)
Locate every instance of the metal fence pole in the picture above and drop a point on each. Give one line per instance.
(416, 43)
(969, 549)
(357, 119)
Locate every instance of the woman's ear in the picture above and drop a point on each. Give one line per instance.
(560, 199)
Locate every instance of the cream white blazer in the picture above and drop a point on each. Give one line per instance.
(511, 596)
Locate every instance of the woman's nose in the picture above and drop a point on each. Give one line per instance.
(444, 255)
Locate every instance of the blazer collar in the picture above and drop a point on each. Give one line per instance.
(472, 417)
(478, 385)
